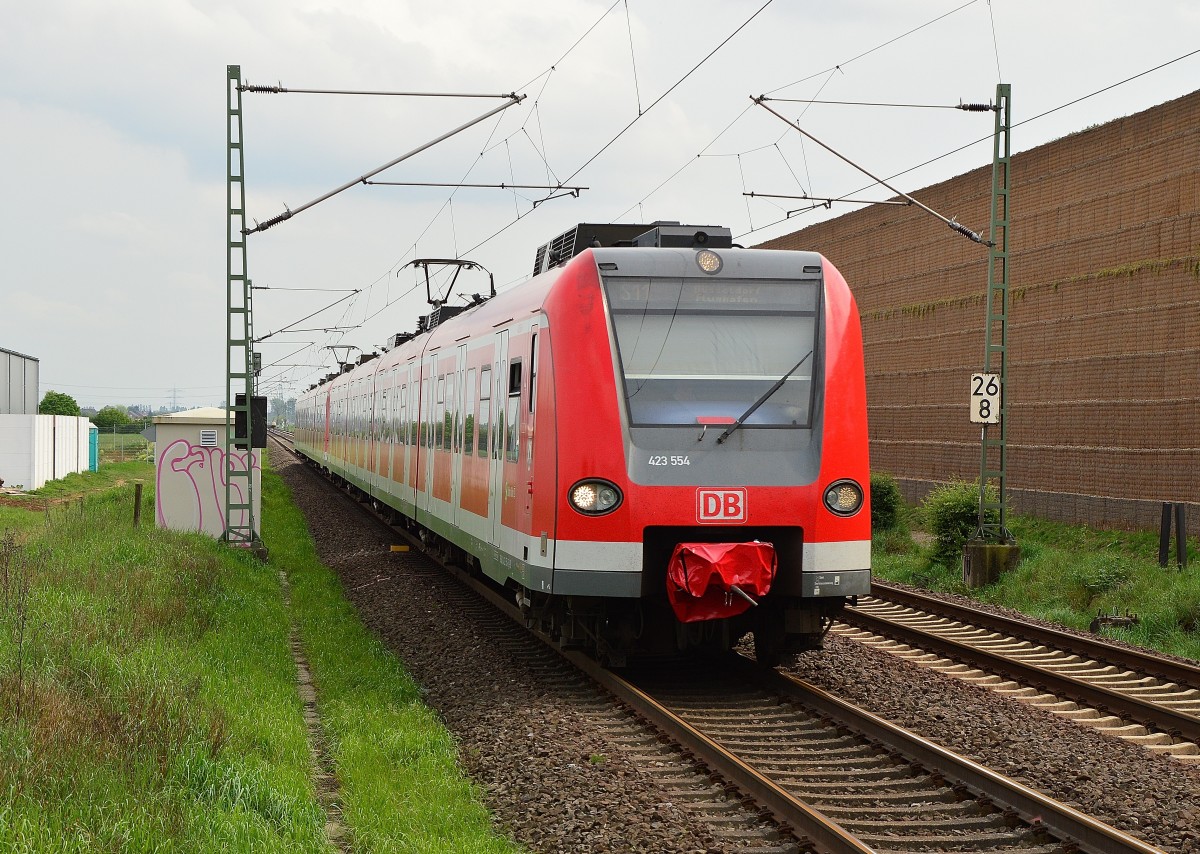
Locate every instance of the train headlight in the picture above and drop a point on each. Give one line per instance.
(844, 497)
(709, 261)
(594, 497)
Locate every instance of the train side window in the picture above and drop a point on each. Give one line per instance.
(381, 428)
(439, 415)
(514, 378)
(512, 445)
(468, 440)
(485, 409)
(402, 418)
(425, 420)
(450, 414)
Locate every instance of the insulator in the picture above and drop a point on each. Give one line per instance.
(271, 90)
(976, 108)
(966, 232)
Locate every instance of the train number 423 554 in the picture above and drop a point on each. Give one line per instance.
(663, 460)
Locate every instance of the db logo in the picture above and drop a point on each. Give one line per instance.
(720, 505)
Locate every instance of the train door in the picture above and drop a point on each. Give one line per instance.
(422, 421)
(399, 414)
(430, 413)
(496, 474)
(412, 427)
(457, 425)
(376, 401)
(383, 403)
(325, 443)
(525, 437)
(387, 436)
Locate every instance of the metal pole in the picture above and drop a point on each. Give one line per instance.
(993, 465)
(239, 383)
(1181, 535)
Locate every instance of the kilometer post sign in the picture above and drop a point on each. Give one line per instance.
(985, 398)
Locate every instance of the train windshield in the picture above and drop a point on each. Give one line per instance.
(699, 351)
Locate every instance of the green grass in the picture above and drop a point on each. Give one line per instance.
(121, 447)
(401, 790)
(1069, 574)
(109, 475)
(148, 699)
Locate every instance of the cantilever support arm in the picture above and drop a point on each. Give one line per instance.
(957, 226)
(362, 179)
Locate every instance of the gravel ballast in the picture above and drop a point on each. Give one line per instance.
(556, 781)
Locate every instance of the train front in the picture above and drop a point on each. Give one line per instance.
(713, 460)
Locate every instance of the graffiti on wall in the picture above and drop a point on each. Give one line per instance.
(190, 487)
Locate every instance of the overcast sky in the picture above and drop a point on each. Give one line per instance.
(114, 143)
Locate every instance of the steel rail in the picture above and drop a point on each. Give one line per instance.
(1153, 665)
(793, 815)
(1035, 808)
(1150, 715)
(787, 810)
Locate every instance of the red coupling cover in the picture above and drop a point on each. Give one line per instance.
(702, 577)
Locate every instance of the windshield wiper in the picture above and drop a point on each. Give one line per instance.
(778, 384)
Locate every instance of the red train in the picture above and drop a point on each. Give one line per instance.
(658, 442)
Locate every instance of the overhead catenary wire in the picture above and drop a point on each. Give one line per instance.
(879, 46)
(359, 307)
(536, 114)
(637, 118)
(306, 317)
(671, 89)
(828, 72)
(585, 164)
(633, 58)
(1021, 123)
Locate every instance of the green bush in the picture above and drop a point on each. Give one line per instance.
(952, 515)
(886, 502)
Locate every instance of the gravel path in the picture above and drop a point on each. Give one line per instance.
(557, 782)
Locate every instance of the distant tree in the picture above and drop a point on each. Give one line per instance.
(110, 417)
(57, 403)
(283, 410)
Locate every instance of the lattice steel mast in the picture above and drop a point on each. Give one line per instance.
(993, 450)
(239, 338)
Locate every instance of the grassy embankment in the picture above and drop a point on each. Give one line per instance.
(1069, 574)
(148, 699)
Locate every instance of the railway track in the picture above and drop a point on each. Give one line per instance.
(1137, 696)
(772, 765)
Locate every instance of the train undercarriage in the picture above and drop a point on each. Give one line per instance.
(620, 631)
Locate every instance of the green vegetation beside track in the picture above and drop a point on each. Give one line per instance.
(1067, 574)
(148, 697)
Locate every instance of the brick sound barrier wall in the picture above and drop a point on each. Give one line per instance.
(1103, 330)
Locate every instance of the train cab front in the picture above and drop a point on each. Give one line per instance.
(742, 418)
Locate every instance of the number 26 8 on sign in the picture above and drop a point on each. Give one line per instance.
(985, 398)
